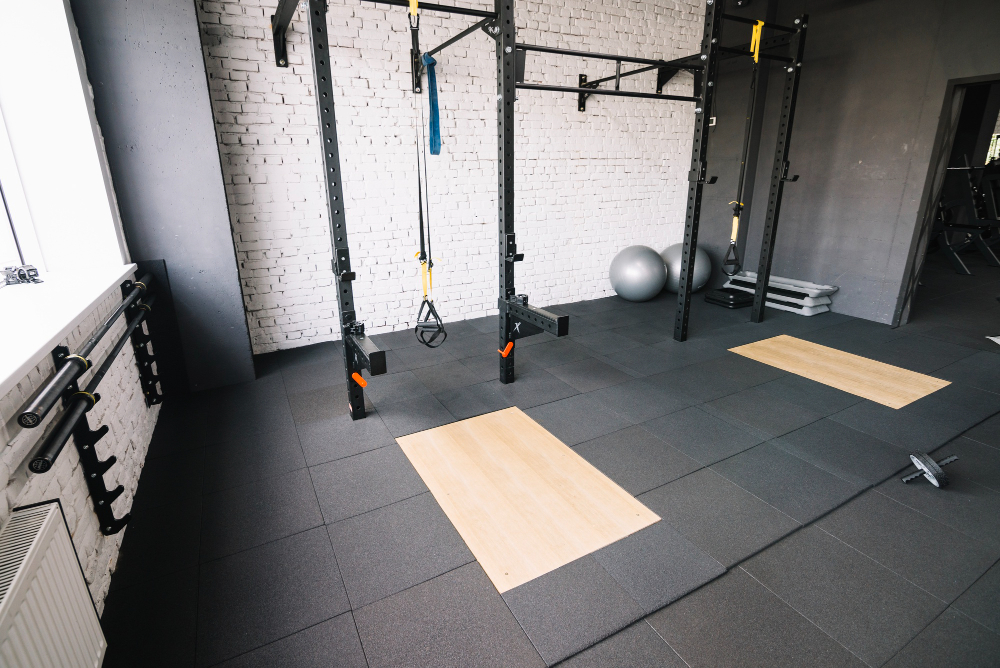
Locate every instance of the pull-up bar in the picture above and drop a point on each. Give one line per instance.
(599, 56)
(607, 91)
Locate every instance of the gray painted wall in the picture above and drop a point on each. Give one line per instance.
(873, 86)
(145, 63)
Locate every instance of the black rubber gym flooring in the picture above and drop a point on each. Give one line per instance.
(271, 530)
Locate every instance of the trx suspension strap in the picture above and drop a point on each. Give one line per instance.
(429, 329)
(731, 263)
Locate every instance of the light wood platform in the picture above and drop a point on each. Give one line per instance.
(524, 502)
(882, 383)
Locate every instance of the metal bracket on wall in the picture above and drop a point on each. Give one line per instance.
(93, 468)
(144, 357)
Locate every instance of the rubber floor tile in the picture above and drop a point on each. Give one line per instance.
(763, 411)
(323, 404)
(718, 516)
(571, 608)
(921, 354)
(987, 432)
(446, 376)
(315, 647)
(951, 640)
(657, 565)
(792, 485)
(637, 646)
(588, 375)
(413, 415)
(902, 429)
(981, 370)
(555, 352)
(535, 387)
(154, 623)
(976, 462)
(809, 394)
(864, 606)
(416, 357)
(929, 554)
(250, 599)
(306, 377)
(605, 341)
(577, 419)
(393, 548)
(958, 406)
(487, 367)
(259, 512)
(702, 436)
(257, 456)
(474, 345)
(341, 436)
(169, 478)
(645, 333)
(963, 505)
(473, 400)
(359, 484)
(980, 600)
(393, 387)
(847, 453)
(639, 400)
(456, 620)
(735, 621)
(636, 460)
(647, 361)
(160, 540)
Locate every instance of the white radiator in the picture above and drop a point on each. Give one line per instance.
(47, 617)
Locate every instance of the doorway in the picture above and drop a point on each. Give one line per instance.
(954, 280)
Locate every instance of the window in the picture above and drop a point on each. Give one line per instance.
(18, 245)
(52, 163)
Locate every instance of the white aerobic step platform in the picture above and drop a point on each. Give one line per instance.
(788, 294)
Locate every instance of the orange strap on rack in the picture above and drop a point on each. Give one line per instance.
(359, 379)
(506, 351)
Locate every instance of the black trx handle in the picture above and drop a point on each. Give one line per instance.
(429, 326)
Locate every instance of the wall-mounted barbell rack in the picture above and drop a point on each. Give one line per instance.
(136, 304)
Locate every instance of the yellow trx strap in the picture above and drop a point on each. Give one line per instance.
(736, 222)
(755, 40)
(426, 277)
(413, 7)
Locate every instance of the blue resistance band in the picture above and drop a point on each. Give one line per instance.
(435, 128)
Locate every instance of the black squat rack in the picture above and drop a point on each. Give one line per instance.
(517, 317)
(137, 303)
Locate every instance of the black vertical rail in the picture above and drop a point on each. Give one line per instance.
(144, 359)
(335, 199)
(779, 172)
(506, 80)
(705, 90)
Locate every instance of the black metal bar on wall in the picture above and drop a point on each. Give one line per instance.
(697, 177)
(779, 171)
(356, 357)
(506, 82)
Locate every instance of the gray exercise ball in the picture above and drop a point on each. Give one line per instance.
(637, 273)
(672, 260)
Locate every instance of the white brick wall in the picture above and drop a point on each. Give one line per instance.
(587, 184)
(123, 408)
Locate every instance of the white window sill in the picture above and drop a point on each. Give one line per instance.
(36, 317)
